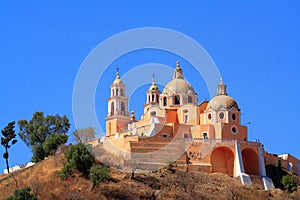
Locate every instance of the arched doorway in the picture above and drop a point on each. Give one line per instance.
(222, 160)
(250, 161)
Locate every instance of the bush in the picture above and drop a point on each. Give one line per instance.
(289, 183)
(22, 194)
(99, 173)
(78, 158)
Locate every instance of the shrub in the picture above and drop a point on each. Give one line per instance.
(289, 183)
(98, 174)
(79, 158)
(22, 194)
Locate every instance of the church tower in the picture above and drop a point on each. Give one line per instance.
(152, 95)
(118, 116)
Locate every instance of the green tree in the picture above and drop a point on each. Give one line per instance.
(79, 158)
(98, 174)
(9, 134)
(38, 130)
(22, 194)
(53, 142)
(84, 135)
(289, 183)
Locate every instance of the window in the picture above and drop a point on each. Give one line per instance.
(113, 92)
(153, 113)
(112, 108)
(157, 98)
(165, 135)
(233, 116)
(121, 92)
(152, 98)
(186, 135)
(209, 116)
(122, 108)
(165, 101)
(185, 116)
(177, 100)
(109, 127)
(148, 98)
(234, 129)
(204, 135)
(221, 115)
(117, 92)
(190, 99)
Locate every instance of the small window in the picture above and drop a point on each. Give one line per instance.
(165, 101)
(190, 99)
(177, 100)
(221, 115)
(234, 129)
(152, 98)
(209, 116)
(121, 92)
(153, 113)
(113, 92)
(165, 135)
(117, 92)
(186, 135)
(204, 135)
(233, 116)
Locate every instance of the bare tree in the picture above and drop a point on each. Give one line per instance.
(84, 135)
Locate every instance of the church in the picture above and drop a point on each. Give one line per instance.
(207, 137)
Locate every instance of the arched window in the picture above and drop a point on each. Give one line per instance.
(157, 98)
(121, 92)
(177, 100)
(190, 99)
(117, 91)
(152, 97)
(112, 108)
(185, 116)
(165, 101)
(122, 108)
(186, 135)
(113, 92)
(148, 98)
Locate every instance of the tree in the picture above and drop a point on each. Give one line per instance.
(9, 134)
(84, 135)
(79, 158)
(98, 174)
(39, 129)
(289, 183)
(22, 194)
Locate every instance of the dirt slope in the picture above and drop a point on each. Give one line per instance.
(164, 184)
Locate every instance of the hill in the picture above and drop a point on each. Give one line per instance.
(163, 184)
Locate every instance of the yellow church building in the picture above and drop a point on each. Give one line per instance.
(205, 137)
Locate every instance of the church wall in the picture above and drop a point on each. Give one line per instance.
(227, 132)
(191, 111)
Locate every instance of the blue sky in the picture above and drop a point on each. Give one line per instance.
(255, 46)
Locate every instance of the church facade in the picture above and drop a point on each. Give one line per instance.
(205, 137)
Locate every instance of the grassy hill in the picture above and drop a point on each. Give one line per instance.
(163, 184)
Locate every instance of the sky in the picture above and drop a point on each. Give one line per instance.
(255, 45)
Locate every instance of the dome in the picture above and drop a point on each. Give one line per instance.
(178, 86)
(222, 101)
(117, 81)
(153, 87)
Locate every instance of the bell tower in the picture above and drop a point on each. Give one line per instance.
(117, 118)
(153, 94)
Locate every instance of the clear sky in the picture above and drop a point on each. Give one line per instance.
(255, 46)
